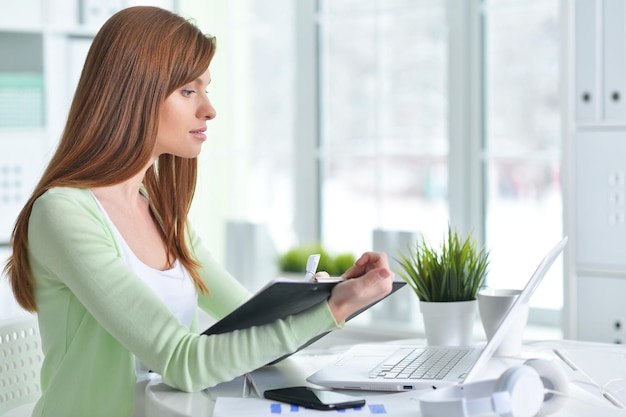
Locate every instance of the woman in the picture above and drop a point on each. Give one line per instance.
(103, 251)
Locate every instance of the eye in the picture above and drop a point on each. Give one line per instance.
(186, 92)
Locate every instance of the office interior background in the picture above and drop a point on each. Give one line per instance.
(342, 120)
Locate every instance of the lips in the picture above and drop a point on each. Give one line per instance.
(199, 133)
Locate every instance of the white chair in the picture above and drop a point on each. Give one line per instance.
(20, 365)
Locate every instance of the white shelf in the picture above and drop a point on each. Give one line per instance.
(24, 14)
(50, 39)
(37, 42)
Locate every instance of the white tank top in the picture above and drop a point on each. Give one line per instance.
(174, 287)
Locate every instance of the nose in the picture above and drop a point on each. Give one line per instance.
(207, 111)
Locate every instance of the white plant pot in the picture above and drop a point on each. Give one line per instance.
(449, 323)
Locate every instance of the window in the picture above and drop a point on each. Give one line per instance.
(383, 92)
(246, 165)
(522, 145)
(409, 115)
(386, 143)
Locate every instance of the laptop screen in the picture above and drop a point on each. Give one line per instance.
(523, 298)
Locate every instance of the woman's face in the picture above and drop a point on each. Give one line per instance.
(182, 119)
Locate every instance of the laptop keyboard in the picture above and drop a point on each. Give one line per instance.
(419, 363)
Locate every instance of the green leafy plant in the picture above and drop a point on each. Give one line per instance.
(341, 263)
(294, 260)
(454, 273)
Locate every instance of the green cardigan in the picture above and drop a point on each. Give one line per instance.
(94, 314)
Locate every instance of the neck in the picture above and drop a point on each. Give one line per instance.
(126, 193)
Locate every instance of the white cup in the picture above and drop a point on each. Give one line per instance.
(493, 304)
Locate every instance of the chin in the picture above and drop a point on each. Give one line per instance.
(188, 156)
(189, 153)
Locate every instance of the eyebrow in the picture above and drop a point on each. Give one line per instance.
(200, 81)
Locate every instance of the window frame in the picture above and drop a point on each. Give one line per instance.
(467, 159)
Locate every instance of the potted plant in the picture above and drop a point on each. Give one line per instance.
(294, 260)
(446, 281)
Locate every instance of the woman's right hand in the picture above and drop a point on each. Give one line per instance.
(367, 281)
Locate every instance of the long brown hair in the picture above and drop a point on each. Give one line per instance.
(137, 59)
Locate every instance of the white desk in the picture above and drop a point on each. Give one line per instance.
(163, 401)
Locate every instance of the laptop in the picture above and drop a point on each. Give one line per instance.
(368, 366)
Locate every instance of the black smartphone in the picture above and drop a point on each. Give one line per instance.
(317, 399)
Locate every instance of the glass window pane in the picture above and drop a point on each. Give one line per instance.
(349, 84)
(523, 142)
(361, 194)
(357, 6)
(384, 121)
(522, 68)
(246, 165)
(524, 220)
(412, 103)
(346, 6)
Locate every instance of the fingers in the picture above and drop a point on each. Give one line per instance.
(354, 294)
(380, 275)
(374, 285)
(367, 262)
(372, 258)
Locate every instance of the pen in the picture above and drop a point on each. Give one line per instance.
(311, 269)
(311, 266)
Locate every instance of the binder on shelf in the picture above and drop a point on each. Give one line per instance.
(586, 58)
(600, 190)
(21, 100)
(614, 60)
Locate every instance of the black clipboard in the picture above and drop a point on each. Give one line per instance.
(281, 298)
